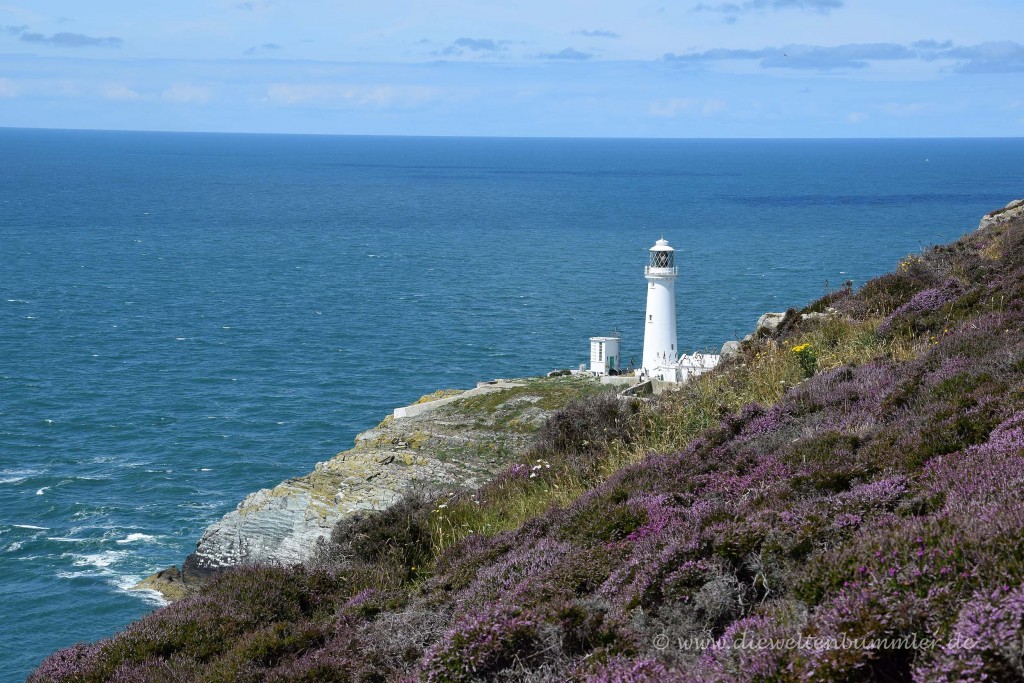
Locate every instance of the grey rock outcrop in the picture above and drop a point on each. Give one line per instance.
(729, 349)
(1012, 210)
(768, 322)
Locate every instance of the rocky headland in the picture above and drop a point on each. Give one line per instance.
(450, 439)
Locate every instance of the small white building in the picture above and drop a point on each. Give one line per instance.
(604, 355)
(695, 364)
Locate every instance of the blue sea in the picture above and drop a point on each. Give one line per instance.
(186, 318)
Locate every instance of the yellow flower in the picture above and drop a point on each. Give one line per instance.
(801, 348)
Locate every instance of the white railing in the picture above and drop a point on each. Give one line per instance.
(649, 270)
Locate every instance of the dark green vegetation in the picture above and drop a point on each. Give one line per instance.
(859, 517)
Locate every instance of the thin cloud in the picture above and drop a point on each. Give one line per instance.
(851, 56)
(120, 93)
(991, 58)
(597, 34)
(265, 47)
(350, 96)
(187, 93)
(568, 54)
(676, 106)
(1002, 57)
(736, 8)
(65, 39)
(461, 45)
(478, 44)
(9, 88)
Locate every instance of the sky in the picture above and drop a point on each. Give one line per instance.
(590, 68)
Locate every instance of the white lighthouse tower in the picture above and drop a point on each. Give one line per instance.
(660, 351)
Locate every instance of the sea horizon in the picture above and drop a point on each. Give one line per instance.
(512, 137)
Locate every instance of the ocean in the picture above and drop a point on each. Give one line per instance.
(187, 318)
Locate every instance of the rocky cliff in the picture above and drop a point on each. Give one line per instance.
(448, 439)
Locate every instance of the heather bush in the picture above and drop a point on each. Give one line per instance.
(883, 295)
(398, 538)
(908, 318)
(484, 643)
(266, 647)
(341, 660)
(986, 643)
(752, 648)
(580, 434)
(604, 518)
(396, 640)
(829, 300)
(627, 670)
(68, 664)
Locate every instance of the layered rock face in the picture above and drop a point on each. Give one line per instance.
(451, 442)
(1012, 210)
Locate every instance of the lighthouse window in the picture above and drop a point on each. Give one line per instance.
(650, 318)
(662, 259)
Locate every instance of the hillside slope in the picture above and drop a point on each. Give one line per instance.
(844, 500)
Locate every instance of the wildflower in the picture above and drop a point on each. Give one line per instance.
(808, 361)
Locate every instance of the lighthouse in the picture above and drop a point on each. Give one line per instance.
(660, 352)
(663, 363)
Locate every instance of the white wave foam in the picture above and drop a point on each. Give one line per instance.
(79, 575)
(14, 547)
(12, 480)
(132, 538)
(42, 490)
(126, 583)
(68, 539)
(31, 526)
(101, 560)
(16, 301)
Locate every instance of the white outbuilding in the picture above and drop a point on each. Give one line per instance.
(604, 355)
